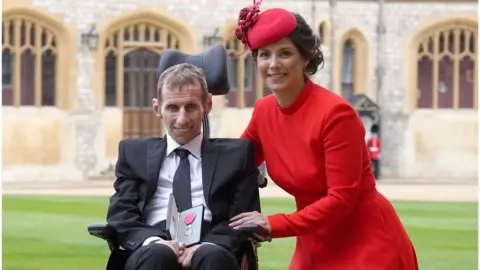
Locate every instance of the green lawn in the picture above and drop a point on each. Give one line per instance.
(50, 233)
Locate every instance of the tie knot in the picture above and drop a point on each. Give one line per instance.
(182, 153)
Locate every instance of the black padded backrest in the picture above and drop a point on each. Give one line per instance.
(213, 62)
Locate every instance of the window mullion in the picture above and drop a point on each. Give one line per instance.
(456, 68)
(436, 61)
(38, 65)
(17, 68)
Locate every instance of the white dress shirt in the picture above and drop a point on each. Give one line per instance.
(156, 209)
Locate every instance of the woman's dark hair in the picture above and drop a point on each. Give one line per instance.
(307, 43)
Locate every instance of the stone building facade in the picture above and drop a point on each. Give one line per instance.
(66, 105)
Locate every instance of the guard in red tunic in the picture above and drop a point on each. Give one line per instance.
(374, 145)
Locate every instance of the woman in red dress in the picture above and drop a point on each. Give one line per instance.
(312, 142)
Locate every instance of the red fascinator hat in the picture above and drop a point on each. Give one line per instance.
(256, 29)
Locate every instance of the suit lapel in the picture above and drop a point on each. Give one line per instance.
(209, 162)
(155, 156)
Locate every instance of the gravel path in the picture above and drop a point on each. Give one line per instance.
(411, 191)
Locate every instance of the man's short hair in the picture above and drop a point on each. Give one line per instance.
(179, 76)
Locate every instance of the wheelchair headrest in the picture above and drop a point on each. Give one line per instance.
(213, 62)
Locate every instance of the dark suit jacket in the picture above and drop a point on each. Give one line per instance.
(229, 185)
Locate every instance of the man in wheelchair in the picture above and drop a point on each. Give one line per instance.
(217, 173)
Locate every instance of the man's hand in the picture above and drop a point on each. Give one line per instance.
(177, 247)
(186, 258)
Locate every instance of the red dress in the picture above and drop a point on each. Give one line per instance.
(315, 150)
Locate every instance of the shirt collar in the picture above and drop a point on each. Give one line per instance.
(194, 146)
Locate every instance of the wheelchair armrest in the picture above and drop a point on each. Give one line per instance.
(101, 230)
(262, 182)
(257, 232)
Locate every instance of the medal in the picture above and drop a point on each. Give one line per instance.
(188, 220)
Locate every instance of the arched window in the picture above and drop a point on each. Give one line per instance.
(132, 53)
(351, 63)
(446, 68)
(29, 62)
(348, 68)
(245, 84)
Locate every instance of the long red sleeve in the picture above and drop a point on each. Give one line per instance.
(344, 146)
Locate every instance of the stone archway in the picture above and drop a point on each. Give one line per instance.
(127, 59)
(443, 56)
(132, 53)
(441, 69)
(355, 40)
(35, 59)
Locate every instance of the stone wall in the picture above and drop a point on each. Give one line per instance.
(203, 16)
(401, 22)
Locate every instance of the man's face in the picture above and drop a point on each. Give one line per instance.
(182, 111)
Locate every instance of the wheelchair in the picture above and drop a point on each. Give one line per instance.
(213, 62)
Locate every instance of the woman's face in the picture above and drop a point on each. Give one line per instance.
(281, 66)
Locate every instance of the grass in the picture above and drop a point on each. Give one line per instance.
(44, 232)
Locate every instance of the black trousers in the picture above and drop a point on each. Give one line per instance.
(161, 257)
(375, 168)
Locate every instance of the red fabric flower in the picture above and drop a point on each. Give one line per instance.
(247, 17)
(256, 30)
